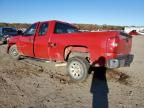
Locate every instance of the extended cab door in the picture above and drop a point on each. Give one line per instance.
(26, 41)
(41, 42)
(59, 40)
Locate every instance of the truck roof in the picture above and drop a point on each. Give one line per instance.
(57, 21)
(52, 21)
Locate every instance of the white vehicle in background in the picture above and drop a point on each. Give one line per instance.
(139, 30)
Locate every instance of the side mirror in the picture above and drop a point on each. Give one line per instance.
(19, 32)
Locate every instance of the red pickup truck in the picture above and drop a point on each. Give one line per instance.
(62, 42)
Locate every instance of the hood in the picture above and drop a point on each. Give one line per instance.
(13, 39)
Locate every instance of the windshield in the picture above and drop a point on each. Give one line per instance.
(9, 31)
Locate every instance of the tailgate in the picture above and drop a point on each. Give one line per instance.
(125, 44)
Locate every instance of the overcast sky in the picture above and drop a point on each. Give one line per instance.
(113, 12)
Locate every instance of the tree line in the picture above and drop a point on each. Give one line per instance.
(90, 27)
(96, 27)
(16, 25)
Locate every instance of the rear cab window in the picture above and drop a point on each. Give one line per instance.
(64, 28)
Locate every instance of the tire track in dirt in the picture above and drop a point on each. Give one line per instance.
(27, 78)
(111, 74)
(116, 75)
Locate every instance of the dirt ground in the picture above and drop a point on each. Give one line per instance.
(34, 84)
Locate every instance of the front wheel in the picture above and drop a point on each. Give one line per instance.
(78, 68)
(14, 52)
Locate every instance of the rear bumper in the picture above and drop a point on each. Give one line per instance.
(122, 61)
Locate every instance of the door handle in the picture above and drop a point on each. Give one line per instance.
(50, 44)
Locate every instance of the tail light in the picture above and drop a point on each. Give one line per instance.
(112, 44)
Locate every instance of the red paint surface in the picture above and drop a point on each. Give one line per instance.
(52, 46)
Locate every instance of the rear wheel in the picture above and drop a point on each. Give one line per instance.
(78, 68)
(14, 52)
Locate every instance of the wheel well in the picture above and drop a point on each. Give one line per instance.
(10, 46)
(73, 51)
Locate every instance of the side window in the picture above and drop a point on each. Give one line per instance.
(30, 31)
(59, 28)
(43, 29)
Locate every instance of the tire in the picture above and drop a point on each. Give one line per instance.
(14, 52)
(78, 69)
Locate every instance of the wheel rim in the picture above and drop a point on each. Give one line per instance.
(76, 70)
(14, 52)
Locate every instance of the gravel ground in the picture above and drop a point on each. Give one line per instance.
(34, 84)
